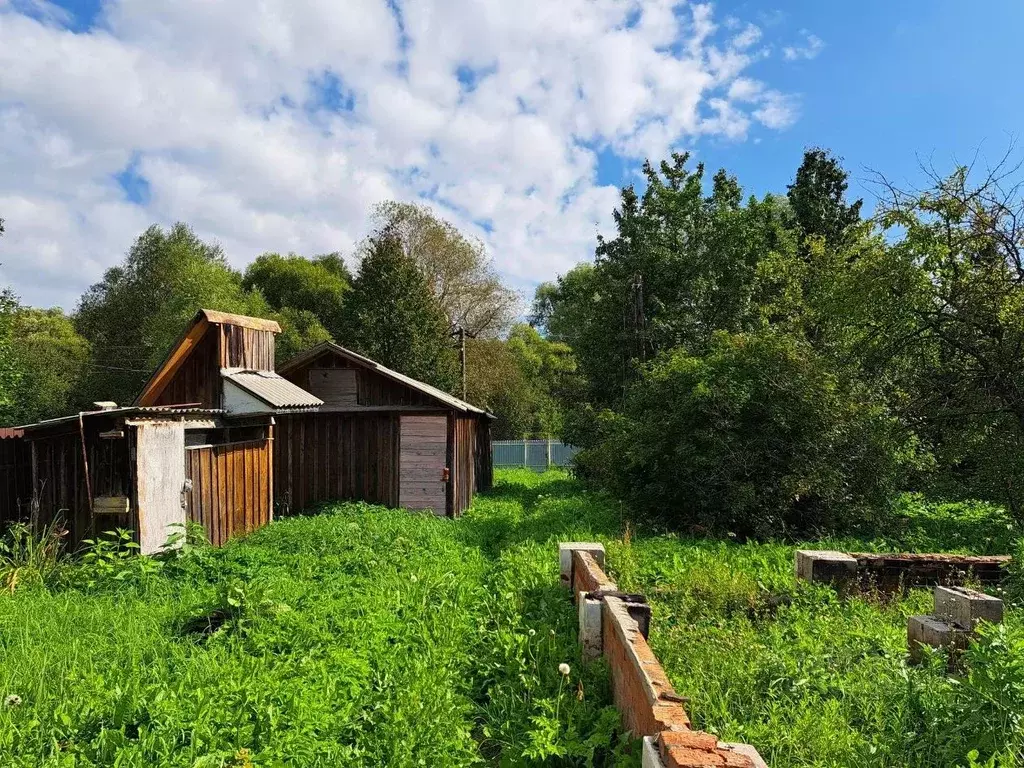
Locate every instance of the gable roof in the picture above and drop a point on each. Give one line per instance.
(187, 342)
(365, 362)
(274, 390)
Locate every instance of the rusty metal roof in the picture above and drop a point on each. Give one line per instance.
(274, 390)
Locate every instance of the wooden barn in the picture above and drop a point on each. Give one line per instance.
(217, 436)
(380, 436)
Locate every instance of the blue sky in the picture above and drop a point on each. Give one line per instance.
(279, 126)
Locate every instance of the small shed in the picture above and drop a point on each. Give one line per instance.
(380, 436)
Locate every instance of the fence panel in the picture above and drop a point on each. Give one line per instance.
(537, 455)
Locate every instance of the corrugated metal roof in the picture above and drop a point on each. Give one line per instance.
(434, 392)
(272, 389)
(129, 410)
(7, 433)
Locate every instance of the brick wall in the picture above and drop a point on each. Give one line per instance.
(646, 701)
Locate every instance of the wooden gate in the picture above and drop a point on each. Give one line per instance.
(231, 487)
(423, 458)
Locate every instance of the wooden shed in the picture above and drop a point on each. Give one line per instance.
(380, 436)
(219, 437)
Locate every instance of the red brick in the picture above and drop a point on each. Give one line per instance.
(690, 739)
(682, 757)
(588, 575)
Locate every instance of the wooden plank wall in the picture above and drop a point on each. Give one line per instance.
(231, 488)
(60, 481)
(198, 378)
(245, 348)
(322, 457)
(464, 463)
(15, 479)
(424, 456)
(372, 388)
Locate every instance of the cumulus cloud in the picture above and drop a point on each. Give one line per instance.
(278, 125)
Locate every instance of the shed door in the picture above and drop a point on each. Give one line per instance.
(424, 449)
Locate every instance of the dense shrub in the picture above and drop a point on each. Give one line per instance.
(755, 437)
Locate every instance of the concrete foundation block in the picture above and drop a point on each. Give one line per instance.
(590, 627)
(966, 607)
(651, 758)
(565, 550)
(747, 751)
(933, 632)
(826, 567)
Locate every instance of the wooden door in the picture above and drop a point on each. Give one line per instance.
(231, 488)
(423, 455)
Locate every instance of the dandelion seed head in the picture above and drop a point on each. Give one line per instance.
(564, 669)
(13, 700)
(532, 632)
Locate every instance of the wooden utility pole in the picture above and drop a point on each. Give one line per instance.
(462, 358)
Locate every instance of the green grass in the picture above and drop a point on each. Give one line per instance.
(363, 636)
(359, 636)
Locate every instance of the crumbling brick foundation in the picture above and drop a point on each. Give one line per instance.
(646, 701)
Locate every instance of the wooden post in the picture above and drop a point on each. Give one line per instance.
(549, 452)
(462, 358)
(526, 456)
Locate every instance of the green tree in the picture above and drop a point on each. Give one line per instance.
(818, 198)
(316, 286)
(456, 267)
(10, 372)
(393, 317)
(134, 315)
(52, 358)
(756, 436)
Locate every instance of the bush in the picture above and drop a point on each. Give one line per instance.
(757, 437)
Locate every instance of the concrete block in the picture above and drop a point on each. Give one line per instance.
(966, 607)
(747, 751)
(651, 758)
(565, 550)
(826, 567)
(933, 632)
(590, 627)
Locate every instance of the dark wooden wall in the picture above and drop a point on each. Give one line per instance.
(335, 456)
(198, 378)
(232, 487)
(372, 389)
(15, 479)
(60, 478)
(484, 470)
(247, 348)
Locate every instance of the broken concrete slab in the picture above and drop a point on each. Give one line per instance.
(966, 607)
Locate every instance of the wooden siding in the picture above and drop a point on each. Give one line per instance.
(231, 488)
(322, 457)
(463, 478)
(197, 380)
(247, 348)
(424, 456)
(15, 479)
(372, 389)
(335, 386)
(57, 472)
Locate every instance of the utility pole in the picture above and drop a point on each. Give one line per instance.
(462, 358)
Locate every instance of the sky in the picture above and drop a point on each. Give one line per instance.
(278, 125)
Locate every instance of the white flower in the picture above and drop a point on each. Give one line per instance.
(413, 578)
(532, 632)
(552, 633)
(14, 700)
(564, 669)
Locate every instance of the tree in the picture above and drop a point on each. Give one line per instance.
(456, 267)
(317, 286)
(135, 314)
(10, 373)
(51, 357)
(818, 198)
(393, 317)
(756, 436)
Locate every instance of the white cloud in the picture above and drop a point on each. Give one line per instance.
(219, 108)
(811, 46)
